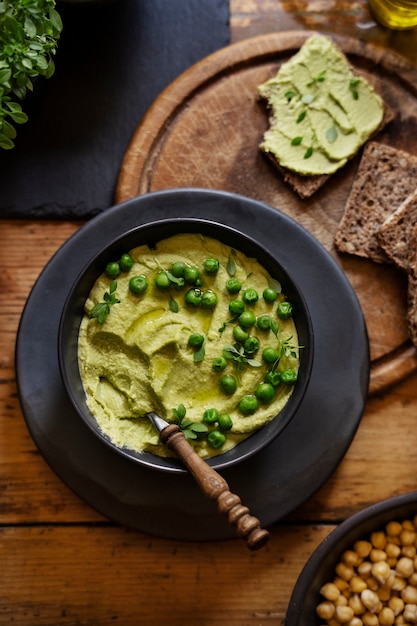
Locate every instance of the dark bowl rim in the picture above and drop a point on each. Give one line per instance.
(221, 460)
(328, 552)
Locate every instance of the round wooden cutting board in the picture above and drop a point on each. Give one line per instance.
(204, 131)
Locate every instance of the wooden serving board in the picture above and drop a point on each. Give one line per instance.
(204, 131)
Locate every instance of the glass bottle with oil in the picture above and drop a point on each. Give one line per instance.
(396, 14)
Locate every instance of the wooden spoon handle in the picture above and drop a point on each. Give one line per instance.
(216, 488)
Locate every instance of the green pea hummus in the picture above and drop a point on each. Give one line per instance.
(321, 112)
(139, 360)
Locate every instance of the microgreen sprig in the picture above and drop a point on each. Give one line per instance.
(190, 430)
(101, 310)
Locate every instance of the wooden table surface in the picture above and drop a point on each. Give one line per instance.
(61, 563)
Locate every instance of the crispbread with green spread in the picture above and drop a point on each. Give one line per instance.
(322, 113)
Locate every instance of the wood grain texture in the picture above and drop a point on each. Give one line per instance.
(107, 576)
(62, 564)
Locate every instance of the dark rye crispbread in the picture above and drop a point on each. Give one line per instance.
(386, 176)
(412, 287)
(306, 186)
(395, 234)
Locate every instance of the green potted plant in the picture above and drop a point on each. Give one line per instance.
(29, 33)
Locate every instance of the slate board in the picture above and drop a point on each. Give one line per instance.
(113, 60)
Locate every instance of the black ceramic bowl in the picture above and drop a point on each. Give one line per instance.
(320, 568)
(150, 234)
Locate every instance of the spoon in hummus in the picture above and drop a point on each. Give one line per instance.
(212, 484)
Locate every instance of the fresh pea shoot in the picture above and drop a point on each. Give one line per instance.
(101, 310)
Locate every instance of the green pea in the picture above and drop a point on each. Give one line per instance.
(273, 377)
(210, 416)
(211, 266)
(263, 322)
(112, 269)
(219, 364)
(233, 285)
(248, 405)
(193, 296)
(228, 383)
(196, 340)
(270, 294)
(216, 439)
(240, 334)
(265, 392)
(225, 422)
(250, 296)
(178, 269)
(236, 307)
(247, 319)
(138, 284)
(162, 280)
(251, 345)
(270, 355)
(284, 310)
(208, 299)
(191, 274)
(289, 377)
(126, 262)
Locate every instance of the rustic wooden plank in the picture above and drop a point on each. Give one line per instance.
(101, 575)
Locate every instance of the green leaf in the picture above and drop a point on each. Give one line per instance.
(301, 116)
(181, 410)
(199, 354)
(308, 153)
(5, 142)
(296, 141)
(231, 265)
(173, 305)
(290, 95)
(198, 427)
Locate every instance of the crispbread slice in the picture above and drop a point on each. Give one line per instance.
(386, 176)
(395, 233)
(412, 288)
(306, 186)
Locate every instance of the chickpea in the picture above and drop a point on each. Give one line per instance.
(405, 567)
(357, 584)
(409, 595)
(386, 617)
(377, 555)
(371, 601)
(381, 570)
(330, 592)
(344, 614)
(350, 557)
(392, 550)
(364, 569)
(363, 548)
(356, 604)
(396, 604)
(378, 539)
(410, 613)
(325, 610)
(344, 571)
(370, 619)
(393, 529)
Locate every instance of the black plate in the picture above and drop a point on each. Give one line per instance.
(272, 483)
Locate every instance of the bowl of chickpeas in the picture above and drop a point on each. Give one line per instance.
(196, 322)
(364, 573)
